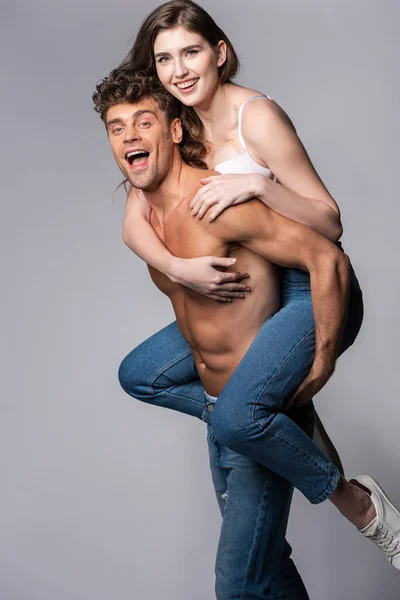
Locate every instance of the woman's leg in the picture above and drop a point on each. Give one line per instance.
(162, 371)
(248, 416)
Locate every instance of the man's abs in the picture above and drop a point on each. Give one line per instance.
(219, 333)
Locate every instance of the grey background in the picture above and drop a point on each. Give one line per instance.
(102, 496)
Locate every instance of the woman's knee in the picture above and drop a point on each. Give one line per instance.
(132, 375)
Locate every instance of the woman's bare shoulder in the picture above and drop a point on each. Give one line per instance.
(241, 94)
(259, 115)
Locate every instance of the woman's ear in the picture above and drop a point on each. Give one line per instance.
(221, 53)
(177, 131)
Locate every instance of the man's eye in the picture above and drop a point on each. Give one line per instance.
(145, 123)
(117, 129)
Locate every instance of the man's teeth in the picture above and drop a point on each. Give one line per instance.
(134, 152)
(187, 84)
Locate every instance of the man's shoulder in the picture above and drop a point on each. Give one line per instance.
(235, 222)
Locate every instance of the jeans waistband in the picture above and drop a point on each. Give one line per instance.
(209, 402)
(209, 399)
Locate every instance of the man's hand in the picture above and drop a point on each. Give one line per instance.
(312, 384)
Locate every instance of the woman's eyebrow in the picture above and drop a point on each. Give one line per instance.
(185, 49)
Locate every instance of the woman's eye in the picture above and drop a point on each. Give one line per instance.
(163, 59)
(192, 52)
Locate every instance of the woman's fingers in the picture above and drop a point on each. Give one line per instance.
(205, 206)
(232, 287)
(205, 199)
(219, 208)
(219, 298)
(230, 277)
(221, 261)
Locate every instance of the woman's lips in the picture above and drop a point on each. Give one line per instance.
(188, 89)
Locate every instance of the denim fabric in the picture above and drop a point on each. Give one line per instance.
(257, 452)
(253, 558)
(248, 416)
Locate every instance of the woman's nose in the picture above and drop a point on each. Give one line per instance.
(181, 69)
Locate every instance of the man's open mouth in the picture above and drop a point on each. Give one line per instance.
(137, 158)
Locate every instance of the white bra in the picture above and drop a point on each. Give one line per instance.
(243, 162)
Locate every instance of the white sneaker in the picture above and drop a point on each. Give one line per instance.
(384, 529)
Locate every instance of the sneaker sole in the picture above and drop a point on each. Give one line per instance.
(370, 482)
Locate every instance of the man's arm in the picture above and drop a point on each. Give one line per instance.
(290, 244)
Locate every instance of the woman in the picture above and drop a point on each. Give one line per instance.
(196, 63)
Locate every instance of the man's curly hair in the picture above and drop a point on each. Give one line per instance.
(127, 86)
(124, 84)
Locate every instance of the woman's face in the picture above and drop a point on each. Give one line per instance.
(187, 65)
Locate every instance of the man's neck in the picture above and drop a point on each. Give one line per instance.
(181, 182)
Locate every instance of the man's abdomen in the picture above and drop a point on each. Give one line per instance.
(221, 333)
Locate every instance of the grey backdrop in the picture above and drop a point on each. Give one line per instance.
(104, 497)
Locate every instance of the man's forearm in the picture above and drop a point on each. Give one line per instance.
(290, 244)
(330, 281)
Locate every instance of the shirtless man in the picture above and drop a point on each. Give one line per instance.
(144, 133)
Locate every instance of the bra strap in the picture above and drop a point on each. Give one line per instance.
(240, 136)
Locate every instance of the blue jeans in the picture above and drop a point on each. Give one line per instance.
(253, 557)
(248, 418)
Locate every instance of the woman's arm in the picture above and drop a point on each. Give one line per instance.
(140, 237)
(315, 213)
(197, 274)
(300, 194)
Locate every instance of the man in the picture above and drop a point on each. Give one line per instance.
(144, 132)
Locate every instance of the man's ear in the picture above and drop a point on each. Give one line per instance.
(176, 131)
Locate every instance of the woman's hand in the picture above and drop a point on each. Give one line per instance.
(199, 274)
(223, 191)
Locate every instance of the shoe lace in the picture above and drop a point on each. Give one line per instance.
(387, 541)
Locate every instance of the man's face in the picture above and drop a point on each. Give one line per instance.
(141, 142)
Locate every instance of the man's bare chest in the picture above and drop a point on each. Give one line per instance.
(186, 236)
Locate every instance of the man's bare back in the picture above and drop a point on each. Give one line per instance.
(219, 334)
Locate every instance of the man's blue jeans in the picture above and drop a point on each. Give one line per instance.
(253, 558)
(249, 416)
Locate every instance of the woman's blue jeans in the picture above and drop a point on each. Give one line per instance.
(248, 420)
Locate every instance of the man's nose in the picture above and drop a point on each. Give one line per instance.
(132, 134)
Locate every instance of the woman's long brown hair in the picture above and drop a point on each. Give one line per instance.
(140, 58)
